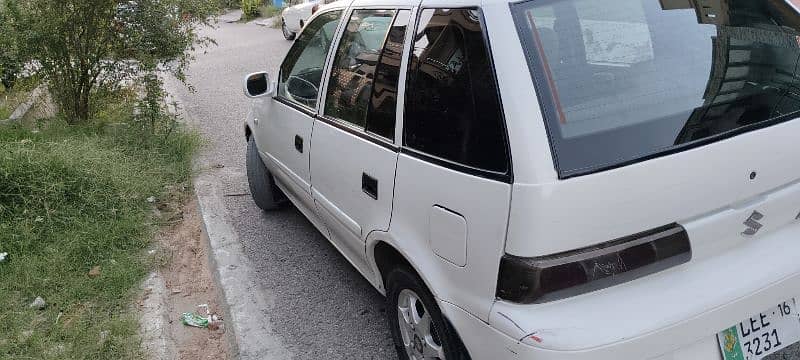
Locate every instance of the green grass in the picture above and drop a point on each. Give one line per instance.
(5, 112)
(72, 198)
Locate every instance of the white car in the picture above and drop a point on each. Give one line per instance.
(294, 17)
(549, 179)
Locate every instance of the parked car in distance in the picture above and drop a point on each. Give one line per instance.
(549, 179)
(294, 17)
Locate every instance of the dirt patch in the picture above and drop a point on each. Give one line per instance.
(189, 283)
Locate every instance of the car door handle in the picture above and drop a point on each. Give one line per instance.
(369, 185)
(298, 143)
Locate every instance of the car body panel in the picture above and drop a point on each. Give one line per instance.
(558, 216)
(296, 16)
(419, 187)
(342, 161)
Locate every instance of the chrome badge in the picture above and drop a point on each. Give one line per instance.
(753, 226)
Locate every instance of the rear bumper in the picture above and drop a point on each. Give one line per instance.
(675, 314)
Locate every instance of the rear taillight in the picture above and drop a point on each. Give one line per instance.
(553, 277)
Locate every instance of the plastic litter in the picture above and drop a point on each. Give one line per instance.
(3, 256)
(151, 199)
(38, 303)
(195, 320)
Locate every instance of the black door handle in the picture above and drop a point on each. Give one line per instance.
(298, 143)
(369, 185)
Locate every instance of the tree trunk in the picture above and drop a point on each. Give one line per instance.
(74, 99)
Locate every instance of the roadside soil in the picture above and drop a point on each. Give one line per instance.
(185, 269)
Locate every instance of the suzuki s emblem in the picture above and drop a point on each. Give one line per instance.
(752, 224)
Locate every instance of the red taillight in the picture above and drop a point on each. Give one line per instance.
(554, 277)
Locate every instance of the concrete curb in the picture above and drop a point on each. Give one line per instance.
(247, 322)
(231, 16)
(252, 336)
(154, 320)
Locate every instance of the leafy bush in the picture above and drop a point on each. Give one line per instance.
(82, 45)
(229, 4)
(250, 8)
(269, 11)
(10, 59)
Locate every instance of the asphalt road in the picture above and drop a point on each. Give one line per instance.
(322, 308)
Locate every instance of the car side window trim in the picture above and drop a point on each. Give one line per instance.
(320, 96)
(354, 130)
(506, 177)
(405, 62)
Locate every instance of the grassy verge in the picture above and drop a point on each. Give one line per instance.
(72, 199)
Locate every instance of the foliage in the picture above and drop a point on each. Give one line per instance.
(83, 45)
(269, 11)
(10, 58)
(71, 198)
(250, 8)
(229, 4)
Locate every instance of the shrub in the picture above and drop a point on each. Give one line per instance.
(269, 11)
(10, 60)
(250, 8)
(82, 45)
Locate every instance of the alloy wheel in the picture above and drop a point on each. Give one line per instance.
(419, 335)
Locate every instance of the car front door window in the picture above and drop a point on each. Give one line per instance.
(301, 72)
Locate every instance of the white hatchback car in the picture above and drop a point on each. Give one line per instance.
(294, 17)
(549, 179)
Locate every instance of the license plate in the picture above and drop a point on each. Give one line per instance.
(763, 334)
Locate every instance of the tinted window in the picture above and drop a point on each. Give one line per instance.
(383, 105)
(353, 70)
(301, 71)
(626, 80)
(452, 106)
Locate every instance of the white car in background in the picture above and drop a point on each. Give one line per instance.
(294, 17)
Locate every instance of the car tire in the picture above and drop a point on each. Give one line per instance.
(404, 287)
(288, 35)
(263, 189)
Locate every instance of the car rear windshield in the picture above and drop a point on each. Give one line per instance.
(626, 80)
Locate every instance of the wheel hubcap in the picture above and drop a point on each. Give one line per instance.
(420, 339)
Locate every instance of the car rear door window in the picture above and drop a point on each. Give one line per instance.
(363, 86)
(301, 71)
(452, 109)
